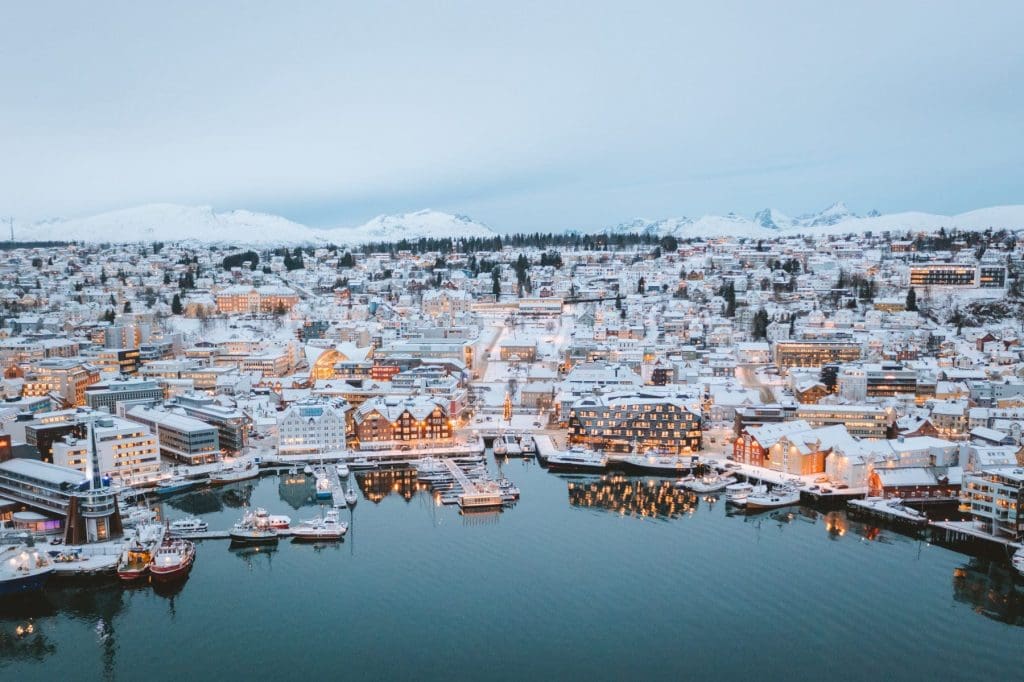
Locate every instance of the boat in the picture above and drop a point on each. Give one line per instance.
(1018, 561)
(528, 445)
(234, 474)
(509, 491)
(327, 527)
(308, 470)
(483, 498)
(577, 458)
(361, 464)
(343, 470)
(507, 445)
(323, 486)
(135, 561)
(23, 568)
(668, 465)
(189, 524)
(737, 493)
(779, 496)
(134, 516)
(712, 483)
(254, 528)
(351, 498)
(177, 484)
(173, 560)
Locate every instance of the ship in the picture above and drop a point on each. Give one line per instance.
(23, 568)
(173, 560)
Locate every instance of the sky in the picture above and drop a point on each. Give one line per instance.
(524, 115)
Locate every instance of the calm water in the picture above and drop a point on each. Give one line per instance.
(582, 579)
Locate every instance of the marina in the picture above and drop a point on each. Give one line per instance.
(401, 526)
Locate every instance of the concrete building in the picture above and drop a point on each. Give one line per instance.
(181, 438)
(314, 426)
(125, 449)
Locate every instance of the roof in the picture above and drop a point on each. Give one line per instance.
(50, 473)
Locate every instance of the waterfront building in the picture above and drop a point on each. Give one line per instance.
(412, 420)
(994, 497)
(312, 427)
(622, 422)
(125, 449)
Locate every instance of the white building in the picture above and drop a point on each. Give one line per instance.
(312, 427)
(125, 449)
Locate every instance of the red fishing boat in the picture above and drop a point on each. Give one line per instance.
(173, 560)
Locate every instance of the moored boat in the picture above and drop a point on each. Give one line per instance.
(135, 561)
(177, 484)
(712, 483)
(173, 560)
(577, 458)
(254, 528)
(779, 496)
(737, 493)
(189, 524)
(327, 527)
(351, 497)
(343, 470)
(234, 474)
(23, 568)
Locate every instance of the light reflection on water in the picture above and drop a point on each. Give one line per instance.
(586, 576)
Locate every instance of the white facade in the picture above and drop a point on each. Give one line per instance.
(125, 449)
(312, 427)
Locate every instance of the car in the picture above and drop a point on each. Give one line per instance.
(842, 486)
(537, 424)
(821, 479)
(405, 448)
(826, 490)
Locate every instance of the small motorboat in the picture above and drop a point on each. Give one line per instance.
(254, 528)
(23, 568)
(308, 470)
(351, 498)
(343, 470)
(737, 493)
(323, 486)
(711, 483)
(189, 524)
(173, 560)
(528, 445)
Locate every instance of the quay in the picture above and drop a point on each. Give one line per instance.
(337, 491)
(889, 510)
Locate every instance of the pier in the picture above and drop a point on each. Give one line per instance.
(468, 486)
(337, 490)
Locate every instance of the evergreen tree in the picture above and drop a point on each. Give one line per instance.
(911, 300)
(641, 285)
(760, 325)
(176, 308)
(496, 281)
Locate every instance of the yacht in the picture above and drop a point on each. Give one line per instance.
(254, 528)
(669, 465)
(509, 490)
(23, 568)
(177, 484)
(189, 524)
(308, 470)
(327, 527)
(577, 458)
(173, 560)
(351, 497)
(235, 473)
(779, 496)
(343, 470)
(134, 516)
(361, 464)
(507, 445)
(737, 493)
(711, 483)
(1018, 560)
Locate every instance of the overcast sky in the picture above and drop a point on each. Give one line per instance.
(524, 115)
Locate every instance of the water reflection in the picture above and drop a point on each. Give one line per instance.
(637, 497)
(989, 587)
(254, 556)
(378, 484)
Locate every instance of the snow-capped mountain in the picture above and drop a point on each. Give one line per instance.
(172, 222)
(426, 223)
(836, 218)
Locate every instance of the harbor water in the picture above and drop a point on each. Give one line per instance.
(586, 577)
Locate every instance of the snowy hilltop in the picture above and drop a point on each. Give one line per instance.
(836, 218)
(171, 222)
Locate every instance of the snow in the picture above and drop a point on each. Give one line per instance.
(173, 222)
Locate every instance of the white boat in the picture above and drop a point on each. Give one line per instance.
(1018, 561)
(351, 498)
(737, 493)
(23, 568)
(528, 445)
(361, 464)
(711, 483)
(327, 527)
(323, 486)
(343, 470)
(779, 496)
(577, 458)
(307, 470)
(189, 524)
(486, 496)
(135, 516)
(507, 445)
(234, 474)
